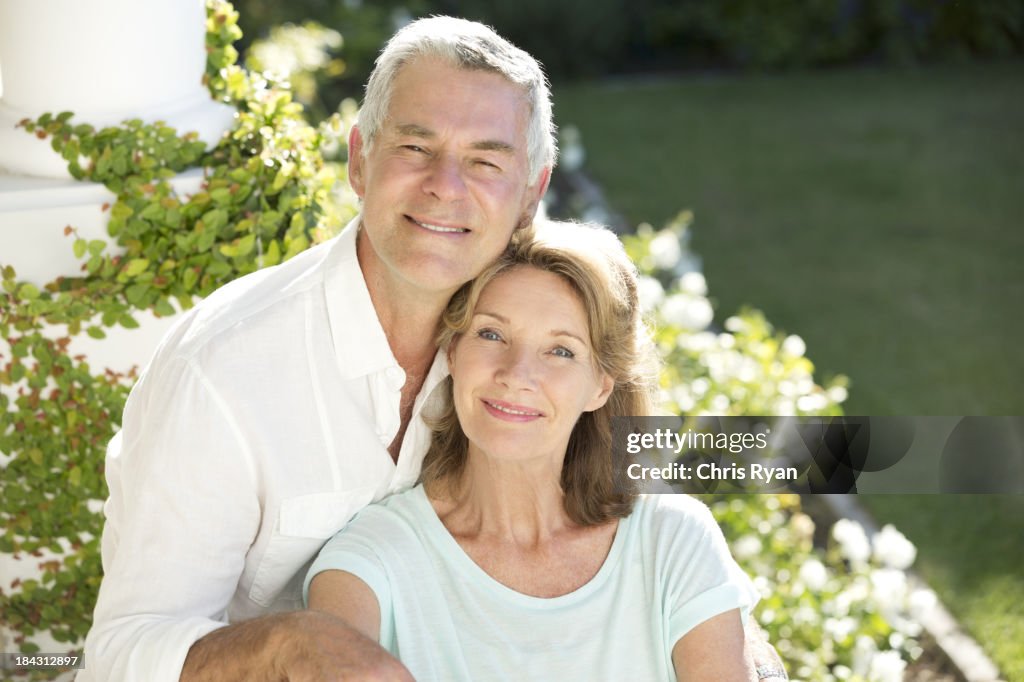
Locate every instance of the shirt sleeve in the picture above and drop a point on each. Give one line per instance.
(356, 550)
(700, 578)
(183, 511)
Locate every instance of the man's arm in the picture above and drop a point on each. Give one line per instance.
(767, 662)
(303, 646)
(182, 514)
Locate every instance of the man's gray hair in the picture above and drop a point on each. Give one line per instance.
(467, 45)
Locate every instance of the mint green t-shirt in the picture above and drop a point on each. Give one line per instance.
(668, 570)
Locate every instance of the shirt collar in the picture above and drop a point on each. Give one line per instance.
(360, 345)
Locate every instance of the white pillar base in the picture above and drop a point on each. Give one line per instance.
(22, 153)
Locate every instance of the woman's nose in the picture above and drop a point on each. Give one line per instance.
(517, 369)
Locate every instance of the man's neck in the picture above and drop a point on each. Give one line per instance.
(409, 316)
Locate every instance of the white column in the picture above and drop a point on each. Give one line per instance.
(107, 61)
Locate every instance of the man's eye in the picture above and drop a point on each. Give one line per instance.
(414, 148)
(488, 164)
(563, 352)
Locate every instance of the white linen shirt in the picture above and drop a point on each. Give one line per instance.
(258, 430)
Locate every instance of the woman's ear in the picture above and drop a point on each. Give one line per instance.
(601, 397)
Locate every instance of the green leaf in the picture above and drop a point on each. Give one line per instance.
(96, 332)
(29, 292)
(75, 477)
(96, 246)
(215, 219)
(136, 266)
(189, 279)
(136, 293)
(163, 308)
(79, 247)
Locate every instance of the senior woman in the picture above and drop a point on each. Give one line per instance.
(517, 557)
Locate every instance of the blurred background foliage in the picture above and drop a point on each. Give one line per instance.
(583, 38)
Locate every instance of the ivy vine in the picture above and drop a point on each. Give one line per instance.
(265, 195)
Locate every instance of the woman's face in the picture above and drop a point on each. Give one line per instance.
(525, 371)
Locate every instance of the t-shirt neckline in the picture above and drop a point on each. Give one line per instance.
(449, 548)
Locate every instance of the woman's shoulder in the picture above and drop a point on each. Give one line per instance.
(392, 518)
(673, 522)
(672, 510)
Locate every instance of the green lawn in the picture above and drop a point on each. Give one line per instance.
(880, 215)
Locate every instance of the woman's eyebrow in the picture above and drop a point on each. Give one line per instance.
(562, 332)
(553, 332)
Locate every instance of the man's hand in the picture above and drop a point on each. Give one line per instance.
(767, 662)
(303, 646)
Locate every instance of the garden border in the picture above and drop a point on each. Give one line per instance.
(961, 650)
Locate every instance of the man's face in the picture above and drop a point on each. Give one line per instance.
(446, 180)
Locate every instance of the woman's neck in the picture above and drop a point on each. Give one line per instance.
(512, 501)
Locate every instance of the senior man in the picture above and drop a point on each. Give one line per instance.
(290, 399)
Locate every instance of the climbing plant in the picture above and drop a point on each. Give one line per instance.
(265, 194)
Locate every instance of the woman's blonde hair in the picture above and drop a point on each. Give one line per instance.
(592, 261)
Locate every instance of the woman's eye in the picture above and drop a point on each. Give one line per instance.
(563, 352)
(489, 334)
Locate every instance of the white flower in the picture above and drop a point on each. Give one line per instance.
(688, 312)
(665, 250)
(893, 549)
(864, 651)
(811, 403)
(735, 324)
(853, 541)
(838, 394)
(814, 575)
(803, 525)
(889, 587)
(838, 629)
(693, 283)
(746, 547)
(887, 666)
(650, 292)
(794, 346)
(921, 603)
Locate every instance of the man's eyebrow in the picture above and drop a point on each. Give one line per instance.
(494, 146)
(415, 130)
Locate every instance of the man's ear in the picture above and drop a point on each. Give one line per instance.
(541, 185)
(599, 399)
(355, 161)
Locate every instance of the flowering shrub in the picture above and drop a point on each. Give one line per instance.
(844, 612)
(841, 613)
(749, 369)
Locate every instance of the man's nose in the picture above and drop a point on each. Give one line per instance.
(444, 179)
